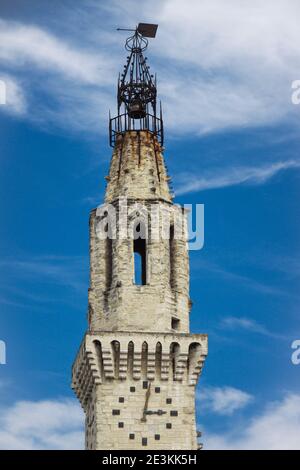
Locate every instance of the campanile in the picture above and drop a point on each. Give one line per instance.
(138, 365)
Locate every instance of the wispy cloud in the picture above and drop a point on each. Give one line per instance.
(42, 281)
(24, 45)
(223, 63)
(209, 267)
(223, 400)
(63, 270)
(247, 324)
(220, 178)
(289, 266)
(75, 75)
(45, 424)
(276, 428)
(217, 68)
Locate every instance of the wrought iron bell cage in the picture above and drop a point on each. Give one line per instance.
(137, 92)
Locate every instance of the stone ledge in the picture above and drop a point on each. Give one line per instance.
(107, 356)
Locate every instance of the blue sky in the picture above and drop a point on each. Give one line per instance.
(232, 143)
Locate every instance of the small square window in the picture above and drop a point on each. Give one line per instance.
(121, 425)
(169, 426)
(175, 323)
(145, 384)
(144, 441)
(115, 412)
(157, 437)
(157, 389)
(168, 401)
(132, 389)
(131, 436)
(174, 413)
(121, 400)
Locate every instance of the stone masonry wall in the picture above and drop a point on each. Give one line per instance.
(117, 303)
(137, 367)
(137, 168)
(118, 377)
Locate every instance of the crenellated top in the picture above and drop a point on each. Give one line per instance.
(137, 169)
(108, 357)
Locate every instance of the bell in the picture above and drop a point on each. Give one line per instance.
(136, 109)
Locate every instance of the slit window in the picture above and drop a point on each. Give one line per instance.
(139, 250)
(171, 256)
(108, 258)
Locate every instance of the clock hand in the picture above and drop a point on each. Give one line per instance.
(155, 412)
(146, 403)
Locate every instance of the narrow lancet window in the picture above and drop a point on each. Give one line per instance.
(139, 251)
(108, 259)
(171, 256)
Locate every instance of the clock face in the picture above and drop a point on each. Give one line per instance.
(144, 413)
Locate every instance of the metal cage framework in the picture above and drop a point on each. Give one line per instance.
(137, 92)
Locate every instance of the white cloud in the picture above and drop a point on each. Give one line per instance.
(58, 424)
(24, 45)
(199, 105)
(226, 64)
(47, 424)
(214, 34)
(14, 98)
(276, 428)
(220, 178)
(223, 400)
(221, 65)
(75, 77)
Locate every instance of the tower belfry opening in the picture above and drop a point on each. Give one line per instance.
(140, 267)
(138, 365)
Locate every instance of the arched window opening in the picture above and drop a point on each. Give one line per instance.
(194, 349)
(139, 251)
(174, 353)
(115, 345)
(144, 361)
(158, 358)
(130, 360)
(99, 358)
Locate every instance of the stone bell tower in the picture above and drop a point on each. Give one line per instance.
(138, 364)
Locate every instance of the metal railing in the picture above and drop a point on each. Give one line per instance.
(123, 122)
